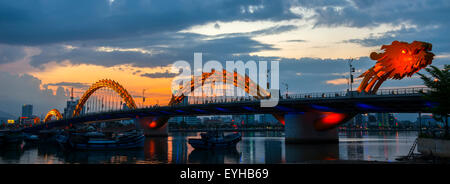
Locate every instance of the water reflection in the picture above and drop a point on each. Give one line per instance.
(296, 153)
(214, 156)
(380, 146)
(255, 147)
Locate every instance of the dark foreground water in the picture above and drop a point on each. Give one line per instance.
(255, 147)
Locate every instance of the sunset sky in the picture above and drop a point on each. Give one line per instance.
(47, 47)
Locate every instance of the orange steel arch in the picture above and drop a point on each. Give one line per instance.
(244, 82)
(105, 83)
(53, 113)
(240, 81)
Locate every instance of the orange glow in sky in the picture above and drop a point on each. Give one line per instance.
(157, 90)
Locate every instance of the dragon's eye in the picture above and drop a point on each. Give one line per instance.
(404, 51)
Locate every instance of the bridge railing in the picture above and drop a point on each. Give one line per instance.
(340, 94)
(346, 94)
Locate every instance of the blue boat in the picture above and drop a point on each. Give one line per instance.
(100, 141)
(216, 140)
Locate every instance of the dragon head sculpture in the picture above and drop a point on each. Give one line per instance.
(398, 60)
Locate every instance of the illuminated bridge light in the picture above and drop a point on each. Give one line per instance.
(180, 111)
(366, 106)
(248, 108)
(221, 109)
(152, 124)
(431, 104)
(322, 108)
(199, 110)
(333, 118)
(165, 112)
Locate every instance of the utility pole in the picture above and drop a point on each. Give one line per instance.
(71, 94)
(352, 69)
(287, 88)
(143, 96)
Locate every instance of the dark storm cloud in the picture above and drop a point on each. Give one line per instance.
(433, 35)
(69, 84)
(163, 49)
(10, 53)
(371, 13)
(166, 74)
(39, 22)
(25, 89)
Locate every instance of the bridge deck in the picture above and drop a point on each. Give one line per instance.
(330, 102)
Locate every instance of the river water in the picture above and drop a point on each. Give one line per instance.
(255, 147)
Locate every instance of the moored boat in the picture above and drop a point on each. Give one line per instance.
(31, 138)
(100, 141)
(12, 136)
(215, 140)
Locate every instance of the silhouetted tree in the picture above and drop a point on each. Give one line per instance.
(439, 83)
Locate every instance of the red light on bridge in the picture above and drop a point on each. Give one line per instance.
(333, 118)
(152, 124)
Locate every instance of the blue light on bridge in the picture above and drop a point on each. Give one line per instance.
(367, 106)
(431, 104)
(248, 108)
(199, 110)
(323, 108)
(165, 112)
(221, 109)
(180, 111)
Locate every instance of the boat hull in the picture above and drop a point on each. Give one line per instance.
(204, 144)
(128, 143)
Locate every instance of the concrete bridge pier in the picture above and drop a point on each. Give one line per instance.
(299, 128)
(147, 124)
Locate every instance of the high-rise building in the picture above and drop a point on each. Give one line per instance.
(358, 120)
(385, 119)
(27, 110)
(268, 118)
(70, 107)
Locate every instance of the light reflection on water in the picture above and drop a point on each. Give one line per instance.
(255, 147)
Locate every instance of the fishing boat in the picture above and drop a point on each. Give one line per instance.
(12, 136)
(100, 141)
(31, 138)
(215, 140)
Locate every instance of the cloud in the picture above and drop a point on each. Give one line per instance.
(160, 75)
(217, 26)
(69, 84)
(337, 81)
(297, 41)
(25, 89)
(11, 53)
(34, 23)
(149, 51)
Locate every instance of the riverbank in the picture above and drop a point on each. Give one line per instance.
(228, 130)
(282, 129)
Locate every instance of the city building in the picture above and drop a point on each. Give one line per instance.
(70, 107)
(27, 110)
(429, 121)
(267, 119)
(386, 120)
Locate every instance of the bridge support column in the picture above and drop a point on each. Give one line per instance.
(299, 128)
(146, 125)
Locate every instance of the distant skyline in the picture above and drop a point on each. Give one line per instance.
(47, 47)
